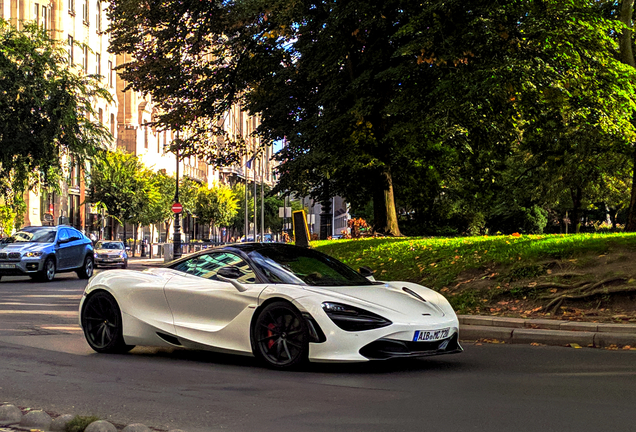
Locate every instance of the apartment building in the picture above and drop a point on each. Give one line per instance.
(80, 24)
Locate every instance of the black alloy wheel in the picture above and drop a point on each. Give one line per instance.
(280, 337)
(86, 271)
(102, 324)
(48, 272)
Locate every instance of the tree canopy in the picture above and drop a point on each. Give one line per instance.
(45, 110)
(456, 112)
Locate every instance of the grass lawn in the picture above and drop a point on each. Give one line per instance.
(492, 268)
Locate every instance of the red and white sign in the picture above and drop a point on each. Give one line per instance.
(177, 208)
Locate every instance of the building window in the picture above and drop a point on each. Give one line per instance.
(100, 115)
(145, 136)
(85, 11)
(71, 7)
(36, 13)
(85, 59)
(46, 16)
(71, 44)
(98, 64)
(98, 17)
(112, 124)
(110, 74)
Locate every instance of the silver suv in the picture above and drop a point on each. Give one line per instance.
(40, 252)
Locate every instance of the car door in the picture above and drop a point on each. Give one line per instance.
(63, 249)
(76, 246)
(209, 311)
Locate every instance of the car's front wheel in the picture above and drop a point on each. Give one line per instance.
(280, 337)
(48, 272)
(102, 324)
(86, 271)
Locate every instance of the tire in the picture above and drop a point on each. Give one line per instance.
(86, 271)
(48, 272)
(102, 324)
(280, 338)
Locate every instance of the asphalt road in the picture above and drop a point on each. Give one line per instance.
(45, 363)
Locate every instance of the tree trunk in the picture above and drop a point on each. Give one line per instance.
(630, 226)
(577, 198)
(384, 211)
(627, 57)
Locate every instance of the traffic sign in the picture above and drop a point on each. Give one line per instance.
(177, 208)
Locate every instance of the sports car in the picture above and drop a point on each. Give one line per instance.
(283, 304)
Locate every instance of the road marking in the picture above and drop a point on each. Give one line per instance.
(592, 374)
(38, 312)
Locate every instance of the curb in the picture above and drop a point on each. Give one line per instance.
(14, 419)
(546, 331)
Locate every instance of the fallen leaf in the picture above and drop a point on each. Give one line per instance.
(553, 290)
(532, 284)
(573, 345)
(549, 271)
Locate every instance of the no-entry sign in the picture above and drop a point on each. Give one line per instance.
(177, 208)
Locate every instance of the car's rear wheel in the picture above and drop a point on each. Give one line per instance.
(48, 272)
(279, 336)
(86, 271)
(102, 324)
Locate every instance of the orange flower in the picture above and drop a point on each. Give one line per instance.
(516, 234)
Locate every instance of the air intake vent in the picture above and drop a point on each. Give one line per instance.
(413, 293)
(170, 339)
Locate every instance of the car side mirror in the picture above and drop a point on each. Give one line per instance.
(367, 273)
(231, 274)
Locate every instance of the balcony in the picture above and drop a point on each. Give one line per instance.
(195, 174)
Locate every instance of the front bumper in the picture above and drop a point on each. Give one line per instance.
(118, 261)
(383, 349)
(25, 266)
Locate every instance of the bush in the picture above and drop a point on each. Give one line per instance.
(79, 423)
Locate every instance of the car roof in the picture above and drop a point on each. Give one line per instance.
(242, 247)
(38, 228)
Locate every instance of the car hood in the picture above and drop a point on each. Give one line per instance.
(24, 247)
(392, 296)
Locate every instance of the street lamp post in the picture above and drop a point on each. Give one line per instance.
(176, 238)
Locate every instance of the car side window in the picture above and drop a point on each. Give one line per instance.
(74, 234)
(62, 235)
(210, 264)
(188, 266)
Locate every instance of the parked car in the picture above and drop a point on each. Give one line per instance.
(110, 253)
(41, 252)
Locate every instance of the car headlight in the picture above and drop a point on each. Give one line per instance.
(33, 254)
(351, 318)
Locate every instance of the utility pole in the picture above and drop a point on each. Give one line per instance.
(262, 198)
(176, 238)
(255, 196)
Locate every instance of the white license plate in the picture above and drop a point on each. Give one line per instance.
(7, 266)
(108, 260)
(430, 335)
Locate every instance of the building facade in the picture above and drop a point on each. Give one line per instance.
(81, 24)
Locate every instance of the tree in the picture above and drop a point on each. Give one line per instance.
(44, 109)
(217, 205)
(115, 182)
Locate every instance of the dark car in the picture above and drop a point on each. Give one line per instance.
(40, 252)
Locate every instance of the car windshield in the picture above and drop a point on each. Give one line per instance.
(109, 245)
(305, 267)
(37, 236)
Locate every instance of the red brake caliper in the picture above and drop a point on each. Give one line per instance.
(270, 343)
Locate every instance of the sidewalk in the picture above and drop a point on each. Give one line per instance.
(546, 331)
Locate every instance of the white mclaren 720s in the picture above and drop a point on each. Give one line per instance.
(283, 304)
